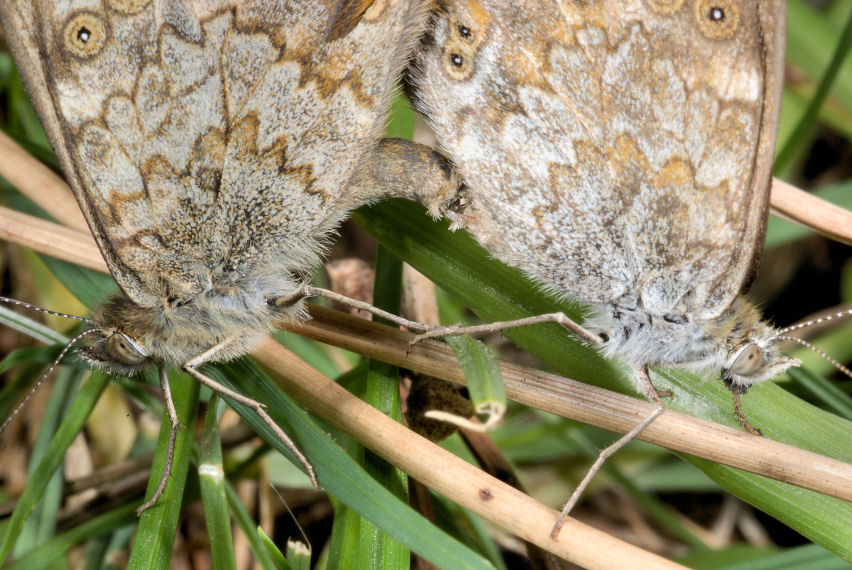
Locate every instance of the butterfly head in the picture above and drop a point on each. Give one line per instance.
(115, 351)
(753, 362)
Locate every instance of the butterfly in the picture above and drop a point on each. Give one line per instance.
(212, 147)
(620, 153)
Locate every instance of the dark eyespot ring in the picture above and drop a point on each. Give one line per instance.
(717, 19)
(85, 34)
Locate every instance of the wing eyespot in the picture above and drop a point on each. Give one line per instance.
(460, 50)
(85, 34)
(717, 19)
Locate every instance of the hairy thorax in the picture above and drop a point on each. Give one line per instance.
(737, 342)
(130, 336)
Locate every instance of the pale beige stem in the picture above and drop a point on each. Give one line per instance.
(810, 211)
(50, 239)
(40, 184)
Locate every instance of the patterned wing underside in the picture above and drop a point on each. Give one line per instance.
(209, 137)
(609, 148)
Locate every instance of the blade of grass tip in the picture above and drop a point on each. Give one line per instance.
(482, 375)
(377, 549)
(247, 525)
(211, 475)
(51, 551)
(155, 536)
(71, 425)
(298, 555)
(341, 476)
(808, 120)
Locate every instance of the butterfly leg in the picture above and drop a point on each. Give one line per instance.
(609, 451)
(191, 368)
(170, 455)
(738, 410)
(560, 318)
(311, 291)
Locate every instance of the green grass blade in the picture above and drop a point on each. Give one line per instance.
(30, 327)
(808, 120)
(482, 374)
(155, 536)
(377, 549)
(52, 550)
(42, 524)
(211, 476)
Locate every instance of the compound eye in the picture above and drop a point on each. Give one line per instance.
(749, 361)
(124, 350)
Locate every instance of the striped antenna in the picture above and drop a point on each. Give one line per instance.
(782, 335)
(43, 310)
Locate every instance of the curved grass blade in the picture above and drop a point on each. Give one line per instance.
(211, 476)
(155, 536)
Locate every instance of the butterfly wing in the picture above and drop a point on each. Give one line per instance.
(612, 148)
(192, 132)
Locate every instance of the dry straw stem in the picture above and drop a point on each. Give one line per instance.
(807, 210)
(40, 183)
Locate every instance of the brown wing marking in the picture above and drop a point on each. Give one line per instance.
(345, 15)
